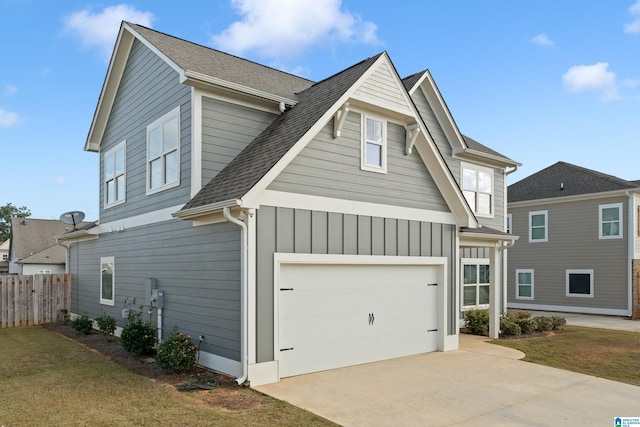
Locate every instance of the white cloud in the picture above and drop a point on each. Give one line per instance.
(8, 119)
(631, 83)
(100, 29)
(60, 180)
(284, 28)
(10, 89)
(634, 27)
(595, 78)
(542, 39)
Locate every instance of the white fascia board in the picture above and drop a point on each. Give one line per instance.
(204, 210)
(492, 159)
(575, 198)
(328, 204)
(109, 90)
(148, 218)
(154, 49)
(484, 240)
(192, 76)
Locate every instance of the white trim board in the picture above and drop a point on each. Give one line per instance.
(570, 309)
(138, 220)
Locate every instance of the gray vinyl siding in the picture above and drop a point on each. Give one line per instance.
(497, 221)
(226, 130)
(573, 243)
(198, 268)
(149, 89)
(330, 167)
(284, 230)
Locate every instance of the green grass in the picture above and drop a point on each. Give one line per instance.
(47, 380)
(604, 353)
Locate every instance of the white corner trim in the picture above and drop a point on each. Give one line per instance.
(196, 141)
(139, 220)
(328, 204)
(263, 373)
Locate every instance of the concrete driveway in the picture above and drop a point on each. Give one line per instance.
(481, 384)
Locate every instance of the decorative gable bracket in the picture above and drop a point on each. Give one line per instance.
(412, 134)
(339, 118)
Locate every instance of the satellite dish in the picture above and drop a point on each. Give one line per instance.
(72, 218)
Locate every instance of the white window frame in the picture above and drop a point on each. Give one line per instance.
(122, 146)
(108, 301)
(509, 225)
(382, 168)
(474, 206)
(546, 226)
(477, 262)
(591, 283)
(518, 284)
(175, 113)
(5, 257)
(620, 222)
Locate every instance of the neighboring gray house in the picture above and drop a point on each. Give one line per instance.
(297, 226)
(33, 248)
(580, 245)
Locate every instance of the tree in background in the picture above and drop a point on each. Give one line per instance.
(7, 212)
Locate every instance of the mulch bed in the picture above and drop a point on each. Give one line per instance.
(212, 388)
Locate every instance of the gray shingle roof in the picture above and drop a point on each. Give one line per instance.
(30, 236)
(244, 171)
(564, 179)
(210, 62)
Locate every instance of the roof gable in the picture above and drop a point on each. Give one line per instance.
(30, 236)
(564, 179)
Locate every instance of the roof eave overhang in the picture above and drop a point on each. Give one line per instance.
(574, 198)
(473, 238)
(187, 214)
(469, 153)
(91, 233)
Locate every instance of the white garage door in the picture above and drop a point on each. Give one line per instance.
(332, 316)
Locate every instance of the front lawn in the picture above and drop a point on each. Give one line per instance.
(47, 379)
(604, 353)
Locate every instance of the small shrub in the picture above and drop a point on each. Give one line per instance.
(558, 321)
(176, 353)
(106, 324)
(527, 325)
(82, 324)
(138, 337)
(64, 316)
(477, 321)
(518, 314)
(510, 328)
(544, 323)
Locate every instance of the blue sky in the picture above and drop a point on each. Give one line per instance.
(539, 81)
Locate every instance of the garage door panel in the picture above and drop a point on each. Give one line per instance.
(341, 315)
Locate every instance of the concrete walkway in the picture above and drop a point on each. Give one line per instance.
(481, 384)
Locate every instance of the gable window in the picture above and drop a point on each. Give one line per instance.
(524, 284)
(163, 152)
(374, 145)
(580, 283)
(610, 220)
(538, 227)
(475, 283)
(477, 187)
(114, 175)
(107, 280)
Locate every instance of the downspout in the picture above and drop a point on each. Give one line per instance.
(243, 293)
(630, 251)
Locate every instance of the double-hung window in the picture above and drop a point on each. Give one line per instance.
(475, 283)
(107, 280)
(610, 221)
(538, 226)
(580, 283)
(163, 152)
(524, 284)
(114, 175)
(374, 145)
(477, 187)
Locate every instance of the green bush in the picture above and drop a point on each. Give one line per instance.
(544, 323)
(106, 324)
(138, 337)
(526, 325)
(477, 321)
(558, 321)
(517, 314)
(509, 327)
(176, 353)
(82, 324)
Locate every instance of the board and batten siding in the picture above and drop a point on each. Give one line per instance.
(197, 268)
(330, 167)
(497, 220)
(148, 90)
(573, 243)
(285, 230)
(226, 130)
